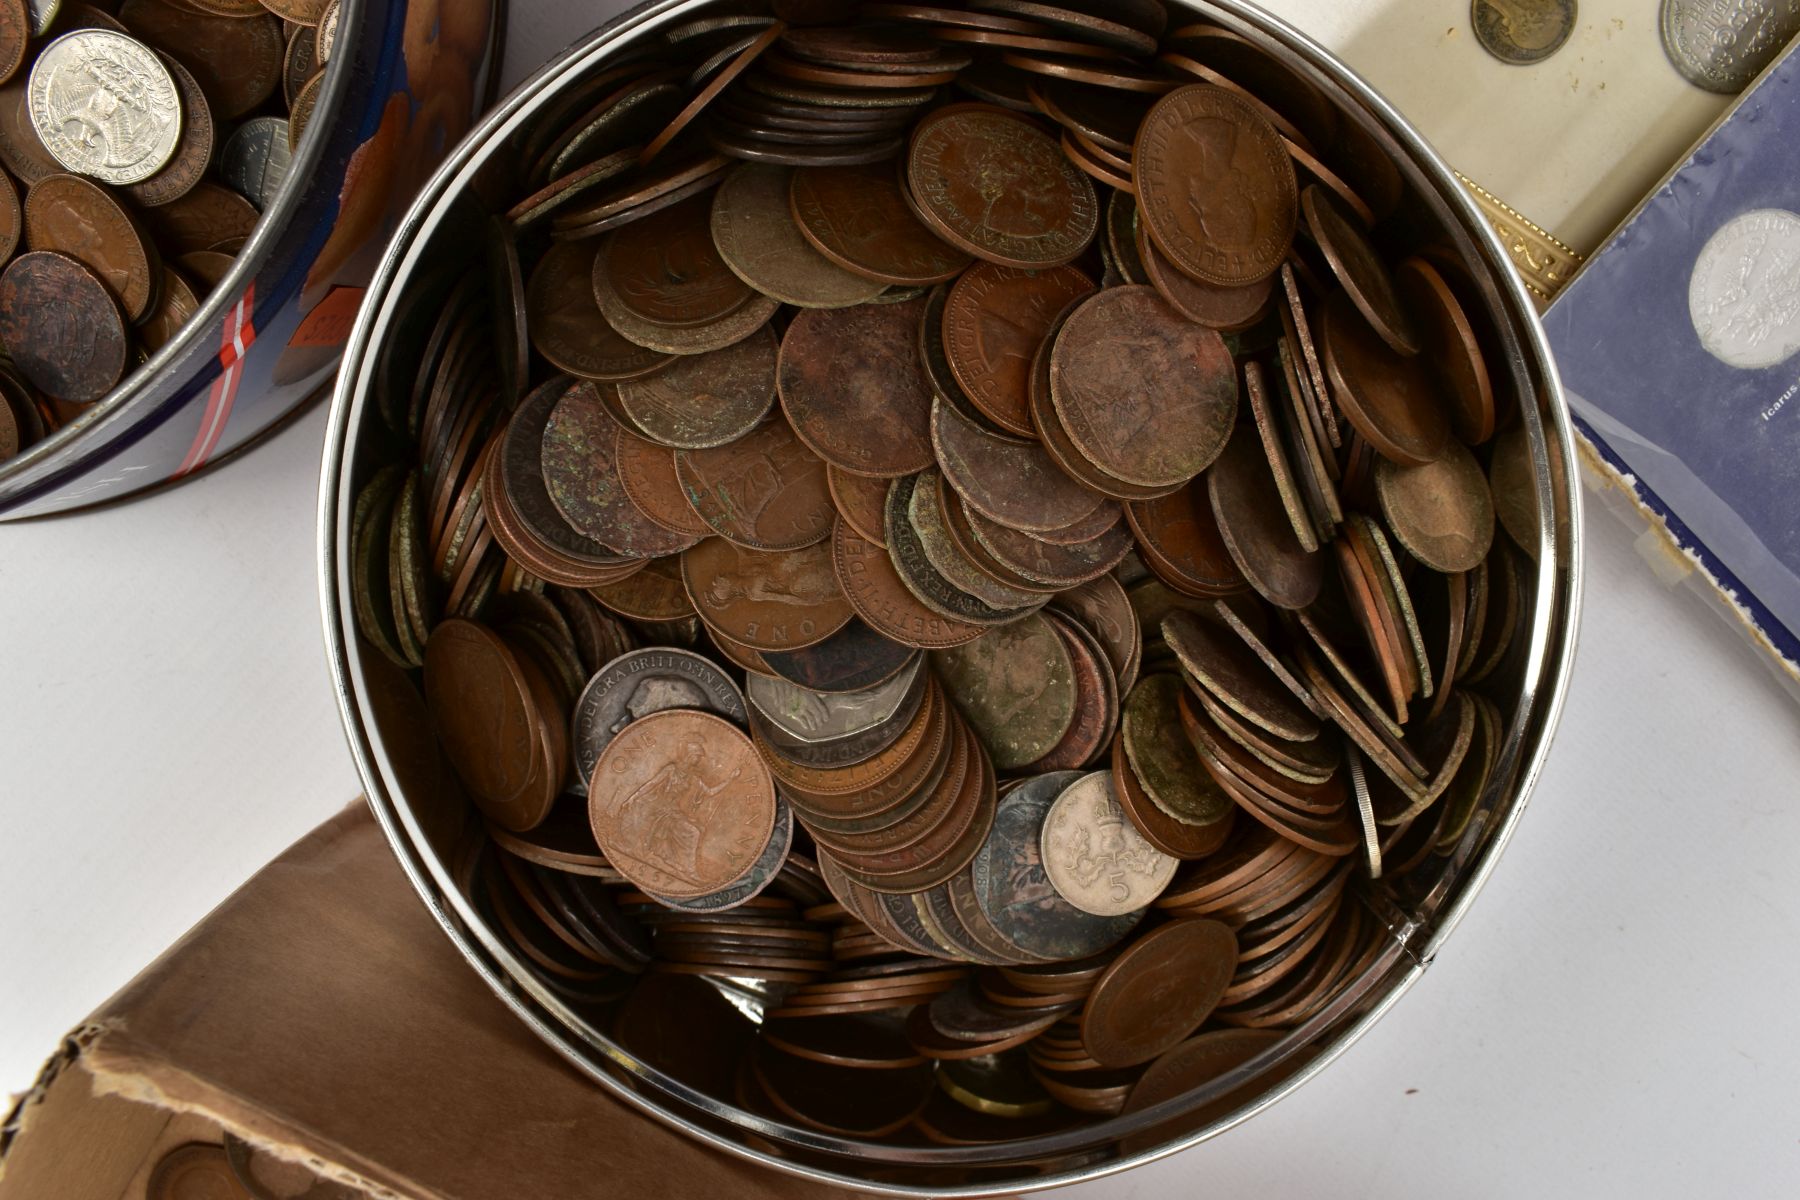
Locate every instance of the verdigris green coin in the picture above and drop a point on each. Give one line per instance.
(1165, 761)
(1015, 686)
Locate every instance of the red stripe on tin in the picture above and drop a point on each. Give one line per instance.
(238, 336)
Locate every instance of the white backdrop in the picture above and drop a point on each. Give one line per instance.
(1616, 1017)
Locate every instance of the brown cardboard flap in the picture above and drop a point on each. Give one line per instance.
(320, 1011)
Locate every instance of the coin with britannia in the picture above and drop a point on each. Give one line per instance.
(104, 106)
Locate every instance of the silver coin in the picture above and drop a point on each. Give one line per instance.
(814, 717)
(1742, 297)
(104, 106)
(642, 682)
(1095, 857)
(1723, 46)
(43, 15)
(845, 751)
(256, 160)
(328, 27)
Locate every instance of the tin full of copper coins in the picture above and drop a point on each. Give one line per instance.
(989, 561)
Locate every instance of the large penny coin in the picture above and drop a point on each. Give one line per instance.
(72, 216)
(859, 219)
(681, 803)
(766, 601)
(853, 385)
(995, 184)
(1392, 399)
(62, 326)
(1016, 687)
(765, 491)
(1158, 991)
(1144, 393)
(482, 707)
(995, 318)
(1216, 186)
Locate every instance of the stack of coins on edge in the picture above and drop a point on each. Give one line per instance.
(972, 532)
(141, 143)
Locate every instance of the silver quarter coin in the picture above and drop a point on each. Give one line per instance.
(809, 716)
(1721, 47)
(256, 160)
(1744, 296)
(1095, 857)
(104, 106)
(642, 682)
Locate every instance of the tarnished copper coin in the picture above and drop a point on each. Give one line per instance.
(995, 184)
(1015, 686)
(1194, 1063)
(1226, 667)
(667, 270)
(765, 600)
(485, 715)
(879, 596)
(861, 501)
(1163, 758)
(1442, 512)
(1216, 188)
(1223, 308)
(1361, 270)
(701, 401)
(681, 803)
(1180, 541)
(995, 317)
(765, 491)
(1158, 991)
(194, 152)
(62, 326)
(1255, 527)
(581, 472)
(754, 228)
(1391, 399)
(236, 59)
(1145, 394)
(1014, 483)
(853, 385)
(857, 217)
(204, 218)
(74, 216)
(1450, 344)
(648, 474)
(566, 324)
(12, 217)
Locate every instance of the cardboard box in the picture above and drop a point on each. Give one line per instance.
(320, 1014)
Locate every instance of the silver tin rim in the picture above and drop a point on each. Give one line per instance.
(1082, 1154)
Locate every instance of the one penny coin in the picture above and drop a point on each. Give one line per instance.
(753, 225)
(883, 600)
(1361, 269)
(72, 216)
(701, 401)
(667, 270)
(993, 183)
(1216, 186)
(1255, 528)
(1014, 483)
(995, 318)
(648, 472)
(1391, 398)
(236, 59)
(852, 383)
(1015, 685)
(764, 600)
(1158, 991)
(1450, 344)
(566, 324)
(857, 217)
(681, 803)
(62, 326)
(1442, 512)
(482, 707)
(765, 491)
(582, 476)
(1144, 393)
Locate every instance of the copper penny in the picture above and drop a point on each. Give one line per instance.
(681, 803)
(881, 599)
(1361, 269)
(754, 228)
(1227, 668)
(566, 324)
(765, 491)
(1016, 687)
(582, 477)
(640, 194)
(1222, 308)
(1175, 838)
(1051, 565)
(175, 305)
(1216, 188)
(1102, 607)
(62, 326)
(1097, 701)
(1146, 395)
(1442, 512)
(995, 317)
(667, 270)
(193, 153)
(236, 59)
(1451, 346)
(12, 217)
(1180, 536)
(1255, 528)
(996, 185)
(701, 401)
(15, 31)
(861, 501)
(201, 219)
(853, 385)
(1392, 400)
(1015, 484)
(655, 593)
(20, 148)
(857, 217)
(207, 267)
(483, 710)
(1158, 991)
(648, 474)
(72, 216)
(767, 601)
(930, 528)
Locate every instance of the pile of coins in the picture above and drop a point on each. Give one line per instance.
(988, 581)
(140, 145)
